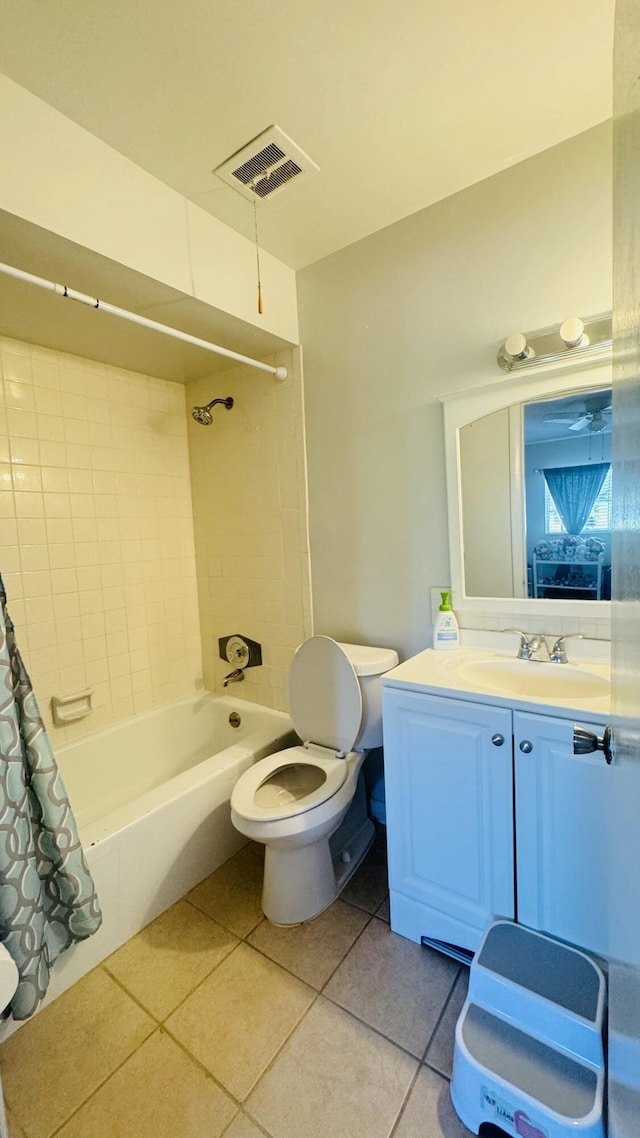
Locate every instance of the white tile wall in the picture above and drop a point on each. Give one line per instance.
(250, 518)
(96, 532)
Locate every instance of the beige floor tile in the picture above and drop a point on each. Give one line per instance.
(333, 1077)
(168, 959)
(158, 1093)
(383, 911)
(398, 987)
(369, 885)
(243, 1127)
(15, 1129)
(440, 1052)
(232, 894)
(239, 1017)
(429, 1112)
(312, 951)
(57, 1060)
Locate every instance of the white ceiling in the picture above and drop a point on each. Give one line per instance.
(399, 103)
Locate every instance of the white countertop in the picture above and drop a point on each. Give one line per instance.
(443, 673)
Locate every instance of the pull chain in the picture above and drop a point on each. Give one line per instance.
(255, 227)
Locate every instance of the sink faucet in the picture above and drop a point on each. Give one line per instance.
(559, 652)
(532, 647)
(234, 677)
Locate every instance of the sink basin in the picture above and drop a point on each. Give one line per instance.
(530, 678)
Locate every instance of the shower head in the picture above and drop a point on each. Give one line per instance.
(203, 415)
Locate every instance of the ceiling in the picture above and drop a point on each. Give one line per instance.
(399, 104)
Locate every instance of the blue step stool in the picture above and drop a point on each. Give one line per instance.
(529, 1054)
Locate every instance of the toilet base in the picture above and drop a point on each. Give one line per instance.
(301, 881)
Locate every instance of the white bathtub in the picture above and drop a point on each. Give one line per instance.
(151, 799)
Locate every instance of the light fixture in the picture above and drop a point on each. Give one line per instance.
(517, 348)
(572, 333)
(575, 337)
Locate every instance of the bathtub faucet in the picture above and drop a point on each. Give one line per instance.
(234, 677)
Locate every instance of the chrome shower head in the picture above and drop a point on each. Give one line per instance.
(203, 415)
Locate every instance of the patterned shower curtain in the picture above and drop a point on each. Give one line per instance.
(47, 896)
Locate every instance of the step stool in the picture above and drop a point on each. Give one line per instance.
(528, 1054)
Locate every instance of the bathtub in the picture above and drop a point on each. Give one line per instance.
(151, 799)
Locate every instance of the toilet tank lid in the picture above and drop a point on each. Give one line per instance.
(369, 661)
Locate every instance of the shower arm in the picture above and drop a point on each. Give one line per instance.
(134, 318)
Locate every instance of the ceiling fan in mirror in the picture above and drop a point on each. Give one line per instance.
(594, 419)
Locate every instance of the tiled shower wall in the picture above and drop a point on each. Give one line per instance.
(96, 533)
(249, 506)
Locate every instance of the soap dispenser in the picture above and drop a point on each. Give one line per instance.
(446, 635)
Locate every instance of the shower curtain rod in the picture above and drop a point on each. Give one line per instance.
(134, 318)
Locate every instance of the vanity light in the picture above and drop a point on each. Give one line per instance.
(572, 333)
(516, 347)
(591, 335)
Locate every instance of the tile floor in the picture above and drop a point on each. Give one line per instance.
(212, 1022)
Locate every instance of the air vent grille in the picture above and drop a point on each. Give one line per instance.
(259, 164)
(265, 166)
(277, 179)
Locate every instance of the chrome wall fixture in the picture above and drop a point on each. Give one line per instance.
(576, 336)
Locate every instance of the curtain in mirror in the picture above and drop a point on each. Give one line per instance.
(574, 490)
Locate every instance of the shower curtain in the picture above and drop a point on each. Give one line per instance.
(47, 897)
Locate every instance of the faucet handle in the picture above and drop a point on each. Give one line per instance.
(524, 636)
(558, 653)
(528, 644)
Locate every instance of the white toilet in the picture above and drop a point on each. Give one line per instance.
(307, 804)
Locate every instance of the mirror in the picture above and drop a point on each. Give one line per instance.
(529, 482)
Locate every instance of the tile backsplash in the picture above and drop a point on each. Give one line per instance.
(96, 533)
(493, 619)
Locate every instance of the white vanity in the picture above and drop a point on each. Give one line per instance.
(489, 811)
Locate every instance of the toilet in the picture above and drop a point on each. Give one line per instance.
(307, 804)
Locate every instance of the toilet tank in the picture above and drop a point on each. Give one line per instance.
(369, 665)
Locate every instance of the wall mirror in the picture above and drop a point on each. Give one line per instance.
(529, 491)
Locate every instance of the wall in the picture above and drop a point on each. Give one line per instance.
(414, 311)
(249, 505)
(96, 533)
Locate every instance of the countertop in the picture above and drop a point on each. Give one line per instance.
(440, 673)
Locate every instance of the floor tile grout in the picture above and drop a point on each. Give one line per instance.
(442, 1014)
(95, 1090)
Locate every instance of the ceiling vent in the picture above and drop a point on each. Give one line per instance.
(266, 166)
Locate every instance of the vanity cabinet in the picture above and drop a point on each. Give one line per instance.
(489, 813)
(562, 810)
(449, 804)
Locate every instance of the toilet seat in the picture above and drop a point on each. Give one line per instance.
(325, 697)
(243, 796)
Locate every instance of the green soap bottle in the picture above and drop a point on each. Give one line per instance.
(446, 634)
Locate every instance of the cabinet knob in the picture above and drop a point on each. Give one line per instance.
(526, 747)
(497, 740)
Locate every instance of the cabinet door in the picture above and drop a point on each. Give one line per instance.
(562, 808)
(449, 809)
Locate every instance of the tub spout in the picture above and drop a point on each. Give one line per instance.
(234, 677)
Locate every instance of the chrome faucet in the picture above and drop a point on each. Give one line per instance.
(234, 677)
(559, 652)
(532, 647)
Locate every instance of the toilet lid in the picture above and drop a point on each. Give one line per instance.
(277, 774)
(325, 700)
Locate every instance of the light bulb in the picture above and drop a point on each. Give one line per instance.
(572, 333)
(516, 347)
